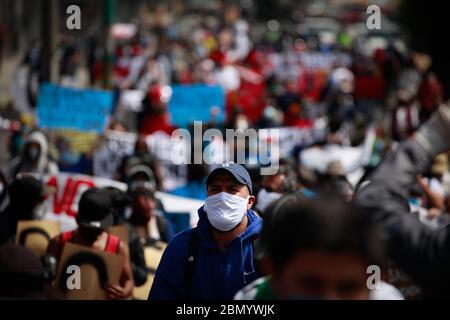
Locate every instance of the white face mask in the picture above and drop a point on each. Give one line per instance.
(265, 198)
(225, 211)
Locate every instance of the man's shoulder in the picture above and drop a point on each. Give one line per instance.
(181, 239)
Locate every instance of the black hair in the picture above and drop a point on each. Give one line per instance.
(95, 204)
(294, 223)
(25, 193)
(120, 201)
(290, 182)
(142, 191)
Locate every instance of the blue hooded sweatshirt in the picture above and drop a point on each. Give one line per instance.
(218, 275)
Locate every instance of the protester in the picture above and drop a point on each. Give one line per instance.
(120, 202)
(148, 222)
(215, 259)
(93, 219)
(274, 186)
(24, 276)
(420, 251)
(335, 180)
(141, 156)
(26, 195)
(34, 157)
(330, 111)
(316, 249)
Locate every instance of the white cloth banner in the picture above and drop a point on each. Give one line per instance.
(115, 146)
(66, 189)
(162, 146)
(292, 137)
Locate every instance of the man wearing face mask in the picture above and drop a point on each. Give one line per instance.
(215, 259)
(34, 158)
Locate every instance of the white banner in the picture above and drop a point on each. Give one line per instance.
(292, 137)
(161, 145)
(66, 189)
(64, 192)
(108, 157)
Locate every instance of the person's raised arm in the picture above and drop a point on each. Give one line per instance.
(422, 252)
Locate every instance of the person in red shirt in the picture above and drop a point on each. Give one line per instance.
(155, 116)
(94, 218)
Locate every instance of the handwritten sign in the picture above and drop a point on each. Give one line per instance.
(97, 268)
(66, 108)
(191, 103)
(107, 158)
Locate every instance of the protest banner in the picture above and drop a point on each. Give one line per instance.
(152, 256)
(308, 60)
(293, 137)
(96, 269)
(66, 108)
(191, 103)
(36, 234)
(79, 141)
(65, 190)
(352, 158)
(161, 145)
(115, 146)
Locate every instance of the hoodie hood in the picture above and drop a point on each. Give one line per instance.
(41, 140)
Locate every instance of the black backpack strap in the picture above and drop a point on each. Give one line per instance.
(193, 246)
(161, 223)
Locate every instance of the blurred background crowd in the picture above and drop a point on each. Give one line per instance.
(343, 96)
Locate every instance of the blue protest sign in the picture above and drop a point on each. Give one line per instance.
(191, 103)
(66, 108)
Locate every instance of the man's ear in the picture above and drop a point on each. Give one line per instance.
(251, 201)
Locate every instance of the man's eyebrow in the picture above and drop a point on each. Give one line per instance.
(213, 185)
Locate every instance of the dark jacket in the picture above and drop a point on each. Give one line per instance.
(421, 252)
(137, 258)
(218, 275)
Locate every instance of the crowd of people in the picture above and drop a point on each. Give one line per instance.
(372, 189)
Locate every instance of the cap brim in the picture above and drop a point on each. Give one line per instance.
(105, 223)
(236, 176)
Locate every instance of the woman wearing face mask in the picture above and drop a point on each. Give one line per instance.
(34, 157)
(215, 259)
